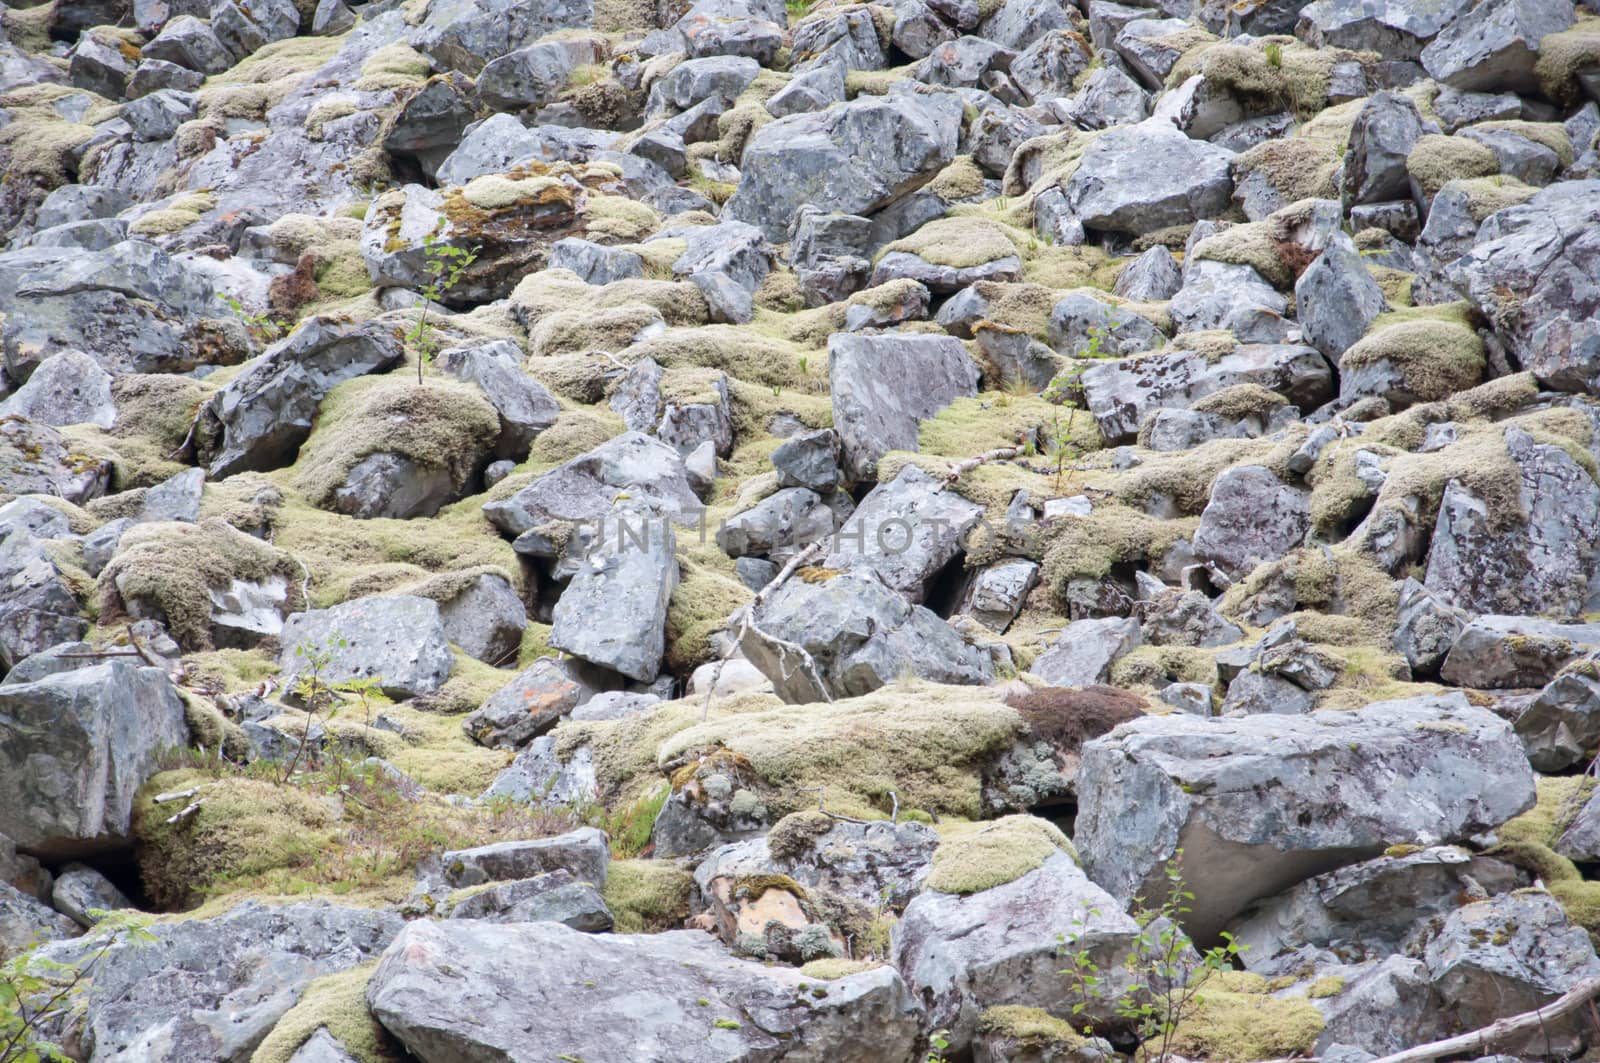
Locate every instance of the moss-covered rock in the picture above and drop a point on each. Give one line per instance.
(982, 856)
(1234, 1018)
(1413, 361)
(647, 896)
(336, 1003)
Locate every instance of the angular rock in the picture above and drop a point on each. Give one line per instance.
(963, 954)
(858, 635)
(525, 407)
(614, 611)
(1385, 131)
(80, 890)
(38, 606)
(397, 640)
(997, 593)
(553, 897)
(1121, 394)
(583, 853)
(850, 159)
(809, 460)
(1397, 31)
(473, 992)
(1561, 727)
(1493, 46)
(465, 34)
(1336, 299)
(1252, 517)
(584, 489)
(1532, 274)
(1537, 561)
(261, 417)
(529, 705)
(76, 747)
(1226, 295)
(1252, 824)
(1085, 651)
(164, 1000)
(906, 531)
(873, 417)
(1515, 651)
(1137, 179)
(24, 923)
(485, 618)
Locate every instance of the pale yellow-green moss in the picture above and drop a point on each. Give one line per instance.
(983, 856)
(1433, 359)
(338, 1004)
(1561, 57)
(958, 242)
(1235, 1019)
(1437, 159)
(832, 968)
(1033, 1027)
(647, 896)
(1297, 167)
(1552, 135)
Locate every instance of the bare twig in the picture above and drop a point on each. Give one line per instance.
(133, 640)
(961, 468)
(1479, 1040)
(746, 617)
(184, 813)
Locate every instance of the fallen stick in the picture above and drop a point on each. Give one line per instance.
(1479, 1040)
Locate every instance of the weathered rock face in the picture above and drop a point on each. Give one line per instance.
(160, 1000)
(1515, 651)
(464, 34)
(614, 610)
(1494, 47)
(963, 954)
(38, 606)
(852, 159)
(1252, 517)
(1121, 394)
(469, 991)
(906, 531)
(398, 641)
(1160, 784)
(1148, 176)
(583, 853)
(855, 634)
(1535, 561)
(77, 745)
(1531, 273)
(260, 419)
(39, 460)
(873, 416)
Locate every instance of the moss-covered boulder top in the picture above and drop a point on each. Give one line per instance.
(606, 531)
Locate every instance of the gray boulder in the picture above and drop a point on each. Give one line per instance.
(525, 407)
(1515, 651)
(1537, 561)
(76, 746)
(486, 618)
(1152, 277)
(1077, 319)
(68, 387)
(24, 922)
(1493, 46)
(1397, 31)
(397, 640)
(80, 889)
(191, 43)
(244, 28)
(1532, 274)
(583, 853)
(1336, 299)
(531, 77)
(857, 635)
(850, 159)
(1365, 911)
(477, 993)
(1085, 651)
(906, 531)
(465, 34)
(258, 421)
(35, 459)
(885, 386)
(1507, 955)
(161, 1000)
(553, 897)
(39, 607)
(614, 610)
(1561, 727)
(529, 705)
(595, 263)
(584, 489)
(809, 460)
(1260, 803)
(962, 954)
(780, 523)
(1137, 179)
(1122, 394)
(1231, 296)
(1386, 129)
(1252, 517)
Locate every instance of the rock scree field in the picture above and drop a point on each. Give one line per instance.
(799, 531)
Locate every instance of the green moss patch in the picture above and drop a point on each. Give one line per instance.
(1437, 159)
(338, 1004)
(647, 896)
(1433, 359)
(971, 860)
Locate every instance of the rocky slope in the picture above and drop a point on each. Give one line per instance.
(608, 531)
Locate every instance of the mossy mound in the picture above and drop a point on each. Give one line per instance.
(1269, 74)
(1552, 135)
(833, 968)
(983, 856)
(699, 608)
(647, 896)
(170, 569)
(926, 742)
(1298, 167)
(1433, 359)
(440, 424)
(1029, 1027)
(1438, 159)
(1529, 840)
(1562, 56)
(1490, 195)
(338, 1004)
(1233, 1018)
(958, 242)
